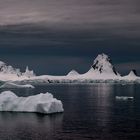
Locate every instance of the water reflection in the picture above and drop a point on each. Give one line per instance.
(91, 112)
(103, 103)
(16, 126)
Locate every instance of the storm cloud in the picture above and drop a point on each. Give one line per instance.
(71, 30)
(89, 14)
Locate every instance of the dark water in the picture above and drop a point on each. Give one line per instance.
(91, 112)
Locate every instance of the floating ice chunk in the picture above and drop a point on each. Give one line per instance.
(124, 98)
(13, 85)
(41, 103)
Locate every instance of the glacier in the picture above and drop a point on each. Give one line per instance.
(102, 70)
(40, 103)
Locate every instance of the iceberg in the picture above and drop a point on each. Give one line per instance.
(124, 98)
(41, 103)
(13, 85)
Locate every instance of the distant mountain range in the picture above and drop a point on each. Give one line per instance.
(101, 70)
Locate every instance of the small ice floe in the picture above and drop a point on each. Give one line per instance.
(124, 98)
(40, 103)
(13, 85)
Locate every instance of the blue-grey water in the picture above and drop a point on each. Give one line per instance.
(91, 113)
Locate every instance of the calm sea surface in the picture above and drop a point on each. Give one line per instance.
(91, 113)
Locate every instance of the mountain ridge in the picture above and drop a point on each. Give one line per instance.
(101, 70)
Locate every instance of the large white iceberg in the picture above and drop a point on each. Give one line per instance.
(41, 103)
(13, 85)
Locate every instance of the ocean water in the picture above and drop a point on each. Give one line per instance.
(92, 112)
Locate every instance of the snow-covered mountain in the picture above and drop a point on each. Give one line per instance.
(102, 70)
(5, 69)
(28, 73)
(7, 72)
(73, 73)
(102, 64)
(132, 75)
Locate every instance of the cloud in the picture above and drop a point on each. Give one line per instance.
(121, 16)
(72, 28)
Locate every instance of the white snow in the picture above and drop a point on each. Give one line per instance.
(102, 64)
(124, 98)
(131, 76)
(73, 73)
(7, 73)
(7, 69)
(28, 73)
(13, 85)
(1, 63)
(41, 103)
(102, 70)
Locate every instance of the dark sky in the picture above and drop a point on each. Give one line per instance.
(55, 36)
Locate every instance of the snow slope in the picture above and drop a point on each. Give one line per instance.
(102, 65)
(73, 73)
(13, 85)
(131, 76)
(41, 103)
(102, 69)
